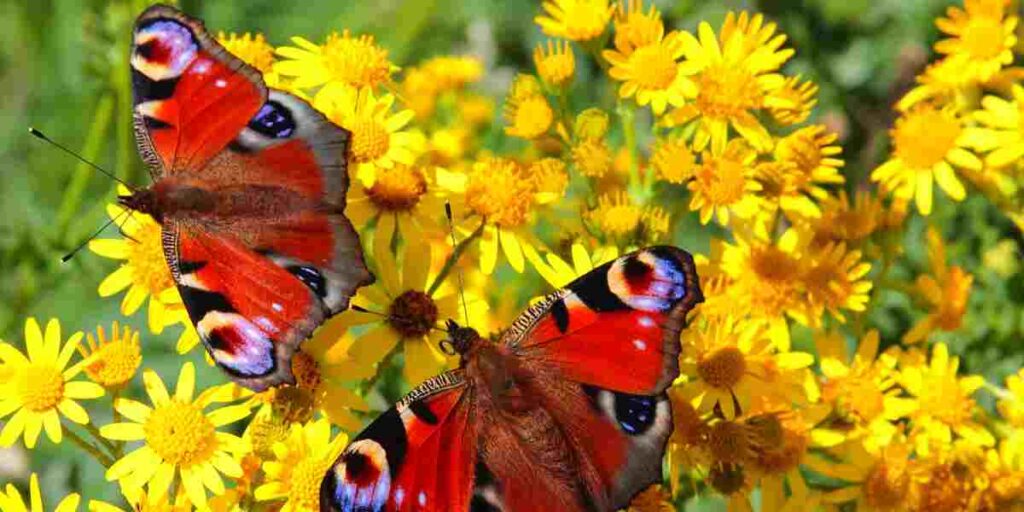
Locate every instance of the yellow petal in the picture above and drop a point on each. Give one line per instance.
(51, 341)
(133, 300)
(34, 340)
(227, 415)
(124, 431)
(155, 388)
(81, 390)
(186, 387)
(70, 504)
(51, 424)
(510, 246)
(117, 280)
(113, 248)
(33, 427)
(421, 362)
(488, 250)
(371, 347)
(74, 412)
(13, 428)
(416, 265)
(135, 411)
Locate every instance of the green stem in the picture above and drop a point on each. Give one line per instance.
(628, 117)
(95, 433)
(119, 446)
(89, 448)
(453, 258)
(94, 140)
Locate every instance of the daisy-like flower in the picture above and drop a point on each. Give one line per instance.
(592, 157)
(143, 271)
(1002, 130)
(729, 360)
(112, 362)
(550, 179)
(946, 291)
(179, 438)
(556, 64)
(835, 279)
(793, 101)
(863, 389)
(527, 111)
(723, 184)
(927, 143)
(673, 160)
(843, 220)
(404, 311)
(982, 37)
(403, 199)
(624, 222)
(736, 78)
(652, 72)
(254, 50)
(805, 161)
(944, 403)
(379, 140)
(38, 389)
(558, 272)
(12, 501)
(634, 27)
(878, 481)
(347, 60)
(299, 465)
(575, 20)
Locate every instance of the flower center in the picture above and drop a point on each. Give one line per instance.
(412, 314)
(149, 267)
(499, 192)
(727, 479)
(304, 488)
(983, 38)
(947, 489)
(306, 371)
(727, 91)
(40, 387)
(180, 433)
(722, 369)
(356, 61)
(115, 363)
(653, 67)
(885, 488)
(924, 138)
(370, 140)
(398, 188)
(729, 442)
(722, 181)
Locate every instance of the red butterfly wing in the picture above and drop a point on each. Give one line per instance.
(618, 326)
(419, 455)
(251, 188)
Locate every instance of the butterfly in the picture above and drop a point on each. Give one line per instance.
(249, 188)
(565, 410)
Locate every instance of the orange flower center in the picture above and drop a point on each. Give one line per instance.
(727, 91)
(149, 266)
(924, 137)
(729, 442)
(722, 369)
(180, 433)
(722, 181)
(886, 488)
(40, 387)
(370, 140)
(397, 189)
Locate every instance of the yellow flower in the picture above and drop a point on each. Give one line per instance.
(981, 37)
(622, 221)
(11, 500)
(652, 72)
(634, 28)
(805, 160)
(927, 143)
(39, 388)
(723, 184)
(731, 360)
(944, 82)
(144, 271)
(550, 179)
(526, 109)
(793, 101)
(863, 389)
(252, 49)
(406, 307)
(673, 159)
(355, 62)
(591, 157)
(452, 72)
(842, 221)
(299, 465)
(1003, 131)
(575, 20)
(403, 199)
(378, 138)
(946, 292)
(836, 279)
(736, 78)
(556, 65)
(880, 481)
(945, 406)
(112, 363)
(1011, 405)
(1004, 476)
(558, 273)
(178, 437)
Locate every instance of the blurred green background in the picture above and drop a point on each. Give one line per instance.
(63, 69)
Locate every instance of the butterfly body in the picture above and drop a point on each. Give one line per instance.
(565, 410)
(249, 189)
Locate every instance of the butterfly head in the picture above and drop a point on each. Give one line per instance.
(460, 339)
(143, 200)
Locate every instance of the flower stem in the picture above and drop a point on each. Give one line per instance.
(95, 433)
(89, 448)
(453, 258)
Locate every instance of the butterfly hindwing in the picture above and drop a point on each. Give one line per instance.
(616, 327)
(419, 455)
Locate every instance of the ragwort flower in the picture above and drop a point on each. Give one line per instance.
(355, 62)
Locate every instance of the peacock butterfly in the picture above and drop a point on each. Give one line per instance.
(565, 411)
(249, 188)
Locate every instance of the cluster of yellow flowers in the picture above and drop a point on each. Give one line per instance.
(788, 398)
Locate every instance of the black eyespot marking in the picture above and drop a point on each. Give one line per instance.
(389, 432)
(486, 491)
(592, 289)
(312, 278)
(273, 120)
(146, 89)
(200, 302)
(634, 269)
(561, 315)
(635, 413)
(423, 412)
(153, 123)
(189, 267)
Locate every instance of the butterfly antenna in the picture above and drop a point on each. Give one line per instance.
(68, 256)
(458, 270)
(38, 134)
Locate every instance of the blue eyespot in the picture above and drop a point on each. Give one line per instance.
(635, 413)
(273, 120)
